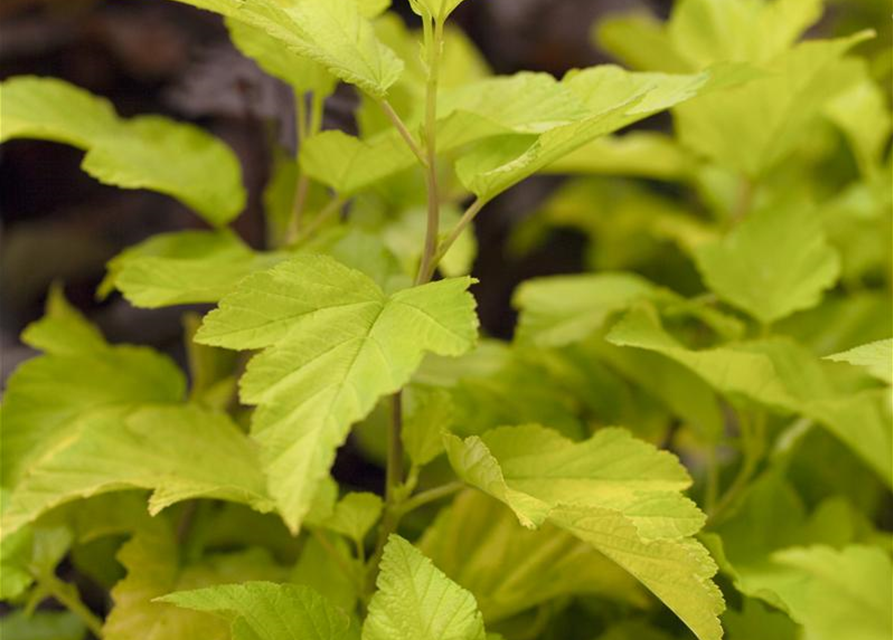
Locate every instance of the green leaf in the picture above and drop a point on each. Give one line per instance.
(777, 374)
(268, 611)
(613, 98)
(183, 267)
(746, 269)
(838, 593)
(302, 73)
(558, 310)
(154, 568)
(478, 543)
(334, 34)
(427, 413)
(355, 514)
(333, 343)
(640, 42)
(751, 128)
(42, 625)
(62, 330)
(48, 396)
(876, 357)
(618, 494)
(646, 154)
(317, 569)
(150, 448)
(103, 418)
(709, 31)
(757, 621)
(147, 152)
(863, 115)
(416, 601)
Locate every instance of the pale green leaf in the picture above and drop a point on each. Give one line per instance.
(179, 452)
(758, 621)
(62, 330)
(646, 154)
(863, 114)
(355, 514)
(612, 97)
(405, 236)
(747, 270)
(438, 10)
(334, 34)
(640, 42)
(147, 152)
(846, 593)
(302, 73)
(317, 569)
(876, 357)
(416, 601)
(558, 310)
(46, 397)
(333, 343)
(750, 128)
(620, 495)
(183, 267)
(154, 569)
(709, 31)
(42, 625)
(779, 375)
(268, 611)
(478, 543)
(427, 413)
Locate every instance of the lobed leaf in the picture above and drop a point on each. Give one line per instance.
(333, 343)
(416, 601)
(618, 494)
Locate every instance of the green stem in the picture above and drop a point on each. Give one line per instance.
(394, 474)
(464, 221)
(404, 132)
(331, 209)
(336, 555)
(754, 445)
(67, 595)
(435, 46)
(430, 495)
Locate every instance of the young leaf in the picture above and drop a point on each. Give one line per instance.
(268, 611)
(334, 34)
(438, 10)
(63, 330)
(147, 152)
(478, 543)
(558, 310)
(613, 99)
(333, 343)
(747, 270)
(355, 514)
(620, 495)
(876, 357)
(427, 413)
(416, 601)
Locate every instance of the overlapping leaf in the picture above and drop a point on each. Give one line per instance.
(618, 494)
(333, 344)
(747, 270)
(751, 128)
(416, 601)
(89, 417)
(876, 357)
(154, 569)
(478, 543)
(147, 152)
(776, 373)
(269, 611)
(335, 34)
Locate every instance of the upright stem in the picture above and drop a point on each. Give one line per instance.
(394, 474)
(404, 132)
(303, 186)
(435, 45)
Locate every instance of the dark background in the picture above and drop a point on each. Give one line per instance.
(154, 56)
